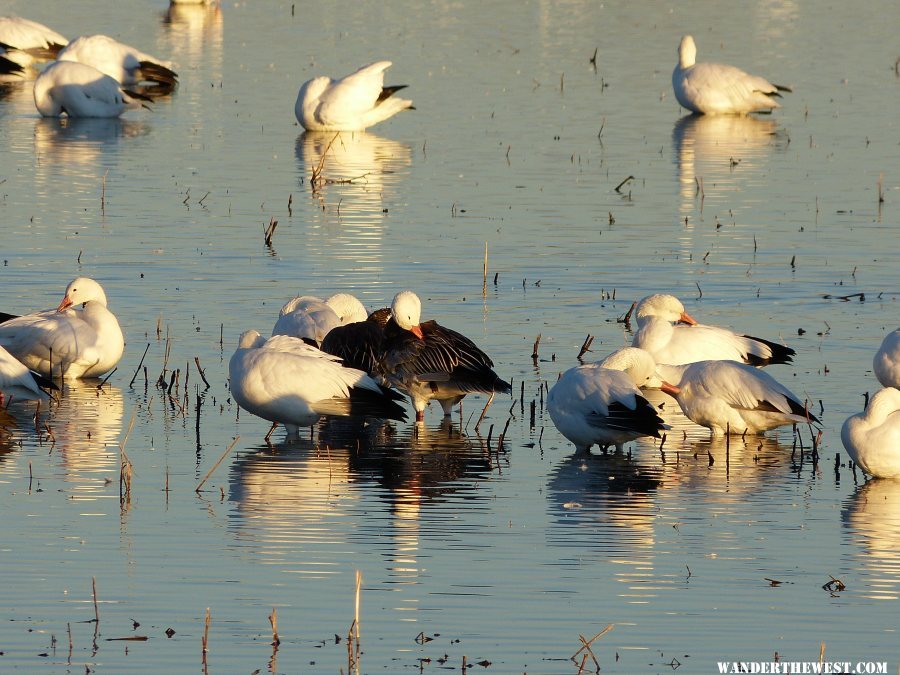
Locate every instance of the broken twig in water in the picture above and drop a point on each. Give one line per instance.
(216, 465)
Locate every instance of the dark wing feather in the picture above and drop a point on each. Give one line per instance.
(360, 345)
(643, 419)
(780, 353)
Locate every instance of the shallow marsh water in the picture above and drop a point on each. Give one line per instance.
(518, 143)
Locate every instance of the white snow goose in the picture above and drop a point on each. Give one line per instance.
(689, 341)
(352, 103)
(17, 382)
(887, 360)
(311, 319)
(429, 361)
(81, 91)
(80, 338)
(35, 39)
(732, 397)
(601, 404)
(130, 67)
(285, 380)
(717, 88)
(872, 437)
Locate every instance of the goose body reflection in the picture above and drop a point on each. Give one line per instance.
(732, 397)
(80, 338)
(872, 437)
(673, 336)
(77, 90)
(601, 404)
(352, 103)
(717, 88)
(886, 363)
(871, 517)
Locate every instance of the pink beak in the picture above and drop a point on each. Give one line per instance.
(417, 331)
(670, 389)
(688, 319)
(65, 304)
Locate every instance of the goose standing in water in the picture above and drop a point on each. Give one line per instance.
(125, 64)
(429, 361)
(601, 403)
(77, 90)
(732, 397)
(80, 338)
(717, 88)
(872, 437)
(352, 103)
(285, 380)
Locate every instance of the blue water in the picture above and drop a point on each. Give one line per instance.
(466, 550)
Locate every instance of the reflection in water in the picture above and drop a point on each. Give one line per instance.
(724, 152)
(300, 501)
(78, 142)
(194, 32)
(357, 179)
(872, 520)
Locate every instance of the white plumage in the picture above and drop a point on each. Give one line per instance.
(310, 318)
(717, 88)
(79, 91)
(284, 380)
(732, 397)
(125, 64)
(872, 437)
(689, 341)
(83, 341)
(886, 363)
(16, 381)
(352, 103)
(31, 36)
(600, 403)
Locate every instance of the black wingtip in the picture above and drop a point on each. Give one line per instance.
(9, 67)
(780, 353)
(387, 92)
(4, 317)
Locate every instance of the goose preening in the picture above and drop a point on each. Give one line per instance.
(81, 91)
(601, 403)
(35, 39)
(17, 382)
(80, 338)
(872, 437)
(886, 363)
(688, 341)
(732, 397)
(351, 103)
(717, 88)
(285, 380)
(125, 64)
(429, 361)
(311, 319)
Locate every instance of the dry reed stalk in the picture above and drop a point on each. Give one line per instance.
(273, 621)
(216, 465)
(200, 370)
(96, 606)
(137, 370)
(126, 468)
(484, 411)
(484, 278)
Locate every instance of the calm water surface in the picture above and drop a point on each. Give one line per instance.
(466, 550)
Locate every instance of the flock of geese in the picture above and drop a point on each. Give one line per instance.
(333, 357)
(97, 76)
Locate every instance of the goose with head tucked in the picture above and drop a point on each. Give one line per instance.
(287, 381)
(80, 338)
(673, 336)
(429, 361)
(78, 90)
(872, 437)
(601, 403)
(717, 88)
(125, 64)
(886, 363)
(731, 397)
(311, 319)
(352, 103)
